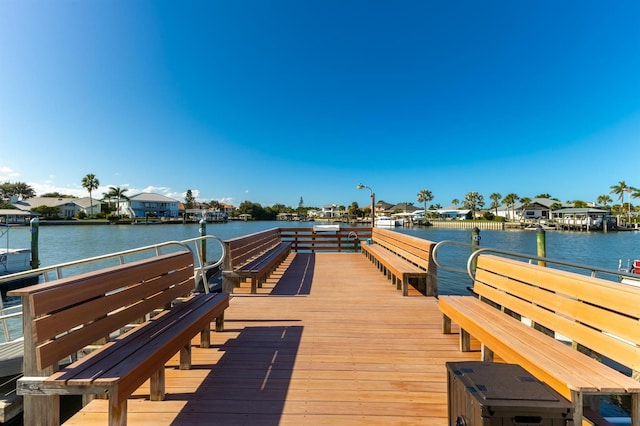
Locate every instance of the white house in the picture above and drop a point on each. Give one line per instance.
(68, 207)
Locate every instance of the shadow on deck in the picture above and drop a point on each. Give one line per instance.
(339, 345)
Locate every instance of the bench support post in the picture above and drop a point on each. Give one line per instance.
(465, 341)
(577, 401)
(157, 385)
(635, 409)
(205, 336)
(446, 325)
(185, 357)
(486, 354)
(41, 410)
(117, 413)
(220, 322)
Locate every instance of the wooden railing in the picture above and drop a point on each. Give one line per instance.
(326, 238)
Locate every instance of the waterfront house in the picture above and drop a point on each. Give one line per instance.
(452, 213)
(149, 205)
(536, 209)
(330, 211)
(68, 207)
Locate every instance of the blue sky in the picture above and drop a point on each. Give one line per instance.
(270, 101)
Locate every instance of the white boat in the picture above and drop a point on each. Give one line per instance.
(388, 222)
(12, 260)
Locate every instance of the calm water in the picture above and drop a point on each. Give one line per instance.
(60, 244)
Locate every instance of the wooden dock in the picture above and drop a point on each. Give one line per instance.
(328, 340)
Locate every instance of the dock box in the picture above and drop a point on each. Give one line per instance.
(495, 394)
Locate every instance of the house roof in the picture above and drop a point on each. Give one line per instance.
(405, 207)
(570, 210)
(34, 202)
(150, 197)
(14, 212)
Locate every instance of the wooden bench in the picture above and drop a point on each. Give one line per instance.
(600, 318)
(254, 256)
(151, 298)
(403, 258)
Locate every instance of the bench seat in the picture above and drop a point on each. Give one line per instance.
(556, 324)
(398, 270)
(254, 256)
(122, 366)
(404, 259)
(84, 318)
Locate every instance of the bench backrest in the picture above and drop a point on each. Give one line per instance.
(601, 315)
(63, 316)
(242, 249)
(413, 249)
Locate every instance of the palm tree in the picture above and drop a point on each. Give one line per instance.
(117, 193)
(495, 197)
(473, 201)
(90, 182)
(424, 196)
(525, 201)
(455, 202)
(619, 190)
(510, 200)
(604, 199)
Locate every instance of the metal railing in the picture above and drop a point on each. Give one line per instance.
(48, 273)
(326, 238)
(593, 271)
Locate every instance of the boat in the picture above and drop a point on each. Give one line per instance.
(629, 270)
(542, 224)
(388, 222)
(13, 260)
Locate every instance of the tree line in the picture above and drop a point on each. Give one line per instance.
(472, 200)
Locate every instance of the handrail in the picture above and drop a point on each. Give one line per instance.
(57, 270)
(593, 271)
(8, 313)
(200, 267)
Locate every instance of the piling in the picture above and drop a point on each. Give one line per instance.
(475, 242)
(203, 242)
(35, 226)
(541, 241)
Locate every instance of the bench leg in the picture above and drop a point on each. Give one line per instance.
(635, 409)
(254, 285)
(405, 286)
(41, 410)
(576, 400)
(486, 354)
(220, 322)
(117, 413)
(205, 336)
(446, 325)
(465, 341)
(157, 385)
(185, 357)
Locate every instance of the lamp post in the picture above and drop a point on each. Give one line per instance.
(373, 203)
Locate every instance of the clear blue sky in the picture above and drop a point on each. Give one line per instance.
(273, 100)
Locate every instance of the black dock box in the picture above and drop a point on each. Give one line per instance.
(495, 394)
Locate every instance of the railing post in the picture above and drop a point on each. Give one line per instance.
(203, 242)
(541, 241)
(35, 225)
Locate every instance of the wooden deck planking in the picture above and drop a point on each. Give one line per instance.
(328, 340)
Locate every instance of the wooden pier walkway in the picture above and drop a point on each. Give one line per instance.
(328, 340)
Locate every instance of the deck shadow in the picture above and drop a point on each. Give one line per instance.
(298, 277)
(249, 384)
